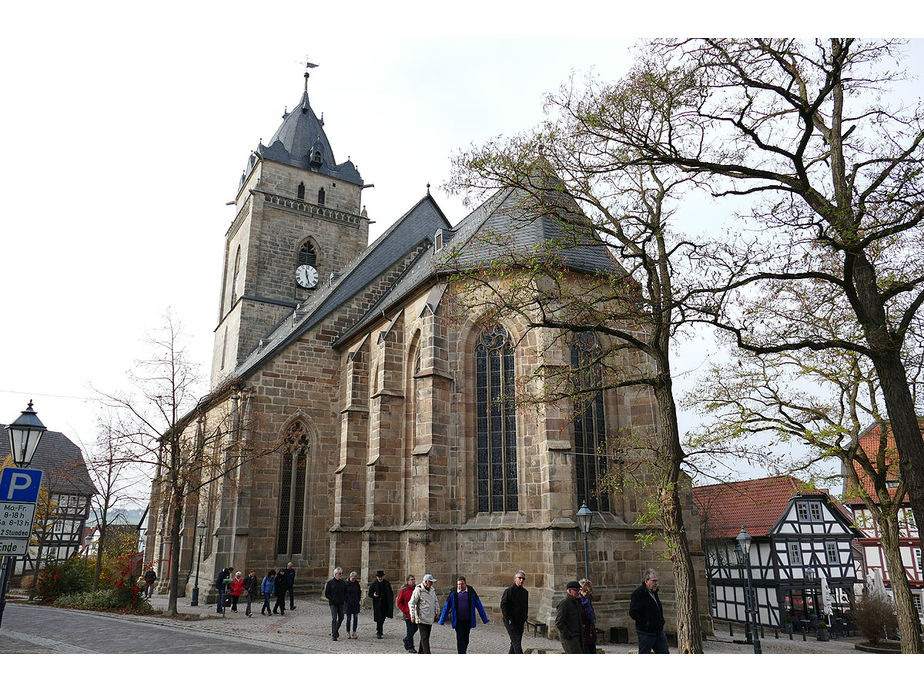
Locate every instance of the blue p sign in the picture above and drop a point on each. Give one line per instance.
(20, 485)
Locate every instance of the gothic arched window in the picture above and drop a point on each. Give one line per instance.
(292, 490)
(589, 422)
(495, 420)
(321, 196)
(300, 192)
(307, 255)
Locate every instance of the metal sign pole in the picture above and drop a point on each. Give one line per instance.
(3, 585)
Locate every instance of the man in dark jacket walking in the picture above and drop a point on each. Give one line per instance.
(280, 585)
(514, 606)
(221, 584)
(568, 620)
(461, 607)
(646, 610)
(383, 601)
(335, 593)
(290, 585)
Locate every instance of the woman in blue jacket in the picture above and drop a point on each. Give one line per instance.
(461, 605)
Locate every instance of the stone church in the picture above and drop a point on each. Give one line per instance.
(395, 442)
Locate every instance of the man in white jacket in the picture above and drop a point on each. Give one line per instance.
(425, 610)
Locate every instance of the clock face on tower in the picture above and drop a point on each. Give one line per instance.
(306, 276)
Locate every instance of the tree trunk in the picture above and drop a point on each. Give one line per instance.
(689, 632)
(174, 555)
(908, 624)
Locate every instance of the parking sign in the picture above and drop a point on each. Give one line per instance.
(20, 485)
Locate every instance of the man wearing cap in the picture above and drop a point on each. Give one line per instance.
(514, 606)
(335, 592)
(646, 610)
(425, 609)
(568, 620)
(383, 600)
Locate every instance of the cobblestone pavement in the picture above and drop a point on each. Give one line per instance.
(308, 628)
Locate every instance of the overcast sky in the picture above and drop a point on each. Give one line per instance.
(125, 132)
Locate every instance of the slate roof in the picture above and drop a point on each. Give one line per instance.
(756, 505)
(501, 227)
(60, 459)
(299, 138)
(416, 227)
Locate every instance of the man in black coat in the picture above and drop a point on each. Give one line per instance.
(568, 620)
(646, 610)
(335, 593)
(290, 585)
(280, 585)
(514, 606)
(383, 601)
(221, 584)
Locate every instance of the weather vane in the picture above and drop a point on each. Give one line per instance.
(308, 66)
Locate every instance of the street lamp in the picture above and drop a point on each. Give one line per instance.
(200, 530)
(739, 556)
(810, 576)
(744, 541)
(584, 518)
(25, 434)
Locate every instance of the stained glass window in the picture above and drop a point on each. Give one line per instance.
(292, 491)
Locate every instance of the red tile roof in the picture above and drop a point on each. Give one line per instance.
(755, 505)
(869, 441)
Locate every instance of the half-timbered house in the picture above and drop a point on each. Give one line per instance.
(63, 508)
(799, 536)
(872, 555)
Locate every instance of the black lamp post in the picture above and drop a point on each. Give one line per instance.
(584, 518)
(739, 555)
(25, 434)
(200, 530)
(744, 541)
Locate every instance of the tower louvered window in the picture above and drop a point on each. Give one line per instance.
(495, 422)
(589, 423)
(321, 196)
(307, 255)
(300, 191)
(292, 491)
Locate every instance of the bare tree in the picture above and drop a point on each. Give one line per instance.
(625, 314)
(805, 130)
(190, 441)
(116, 476)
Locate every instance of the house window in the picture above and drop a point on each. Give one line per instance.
(495, 418)
(916, 598)
(589, 423)
(795, 553)
(292, 491)
(815, 508)
(831, 552)
(917, 559)
(863, 519)
(802, 511)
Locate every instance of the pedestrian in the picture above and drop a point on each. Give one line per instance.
(221, 584)
(237, 589)
(646, 610)
(383, 601)
(404, 596)
(424, 607)
(352, 596)
(290, 585)
(335, 594)
(280, 585)
(515, 610)
(568, 619)
(150, 577)
(461, 606)
(588, 618)
(252, 587)
(266, 588)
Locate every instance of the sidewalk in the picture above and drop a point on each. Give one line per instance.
(308, 627)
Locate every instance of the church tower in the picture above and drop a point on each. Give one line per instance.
(299, 221)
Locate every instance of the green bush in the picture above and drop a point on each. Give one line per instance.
(63, 577)
(103, 600)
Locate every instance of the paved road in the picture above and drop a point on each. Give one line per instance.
(37, 629)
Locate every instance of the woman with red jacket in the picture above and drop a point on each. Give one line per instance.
(403, 597)
(237, 589)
